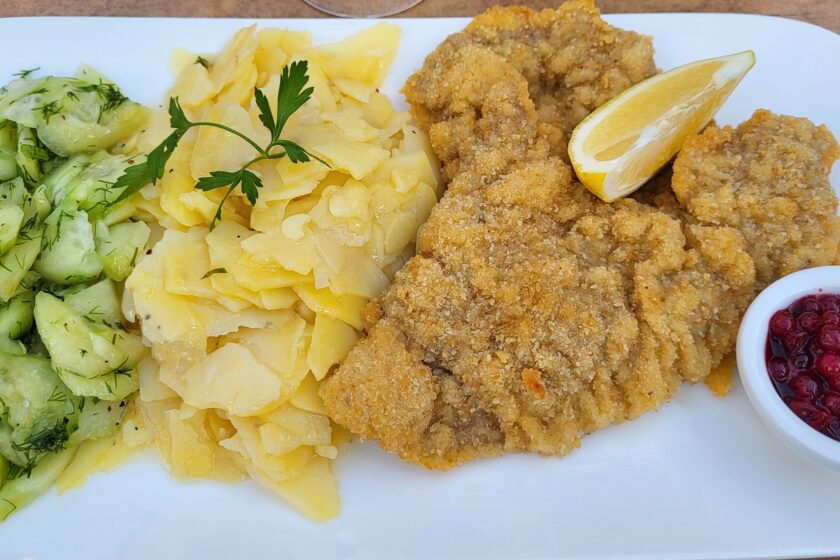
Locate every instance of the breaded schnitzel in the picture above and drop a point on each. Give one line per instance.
(534, 313)
(767, 178)
(571, 60)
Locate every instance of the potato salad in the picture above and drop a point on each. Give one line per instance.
(257, 284)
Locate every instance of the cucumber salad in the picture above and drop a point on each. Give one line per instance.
(67, 360)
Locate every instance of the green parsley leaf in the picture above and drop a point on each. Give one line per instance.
(148, 172)
(298, 154)
(248, 180)
(290, 95)
(251, 184)
(294, 151)
(177, 118)
(132, 180)
(265, 111)
(159, 156)
(218, 179)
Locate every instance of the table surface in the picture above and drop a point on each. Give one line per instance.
(820, 12)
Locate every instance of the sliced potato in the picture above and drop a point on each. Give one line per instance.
(231, 379)
(364, 57)
(314, 493)
(245, 320)
(332, 339)
(347, 307)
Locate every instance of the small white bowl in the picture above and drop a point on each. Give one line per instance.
(752, 366)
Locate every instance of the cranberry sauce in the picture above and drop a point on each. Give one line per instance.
(803, 360)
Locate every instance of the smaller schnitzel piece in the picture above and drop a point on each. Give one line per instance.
(768, 179)
(572, 60)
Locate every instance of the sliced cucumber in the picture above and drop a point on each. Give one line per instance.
(66, 381)
(8, 150)
(20, 491)
(72, 116)
(15, 264)
(87, 180)
(99, 303)
(11, 220)
(14, 192)
(34, 405)
(62, 181)
(82, 133)
(119, 246)
(16, 316)
(80, 346)
(97, 419)
(69, 250)
(17, 261)
(35, 204)
(28, 284)
(36, 207)
(7, 450)
(30, 155)
(20, 98)
(29, 390)
(96, 185)
(12, 347)
(110, 386)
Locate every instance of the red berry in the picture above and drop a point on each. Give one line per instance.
(805, 387)
(831, 402)
(831, 318)
(809, 322)
(829, 338)
(778, 368)
(828, 365)
(830, 303)
(810, 303)
(801, 361)
(794, 341)
(814, 348)
(781, 323)
(813, 416)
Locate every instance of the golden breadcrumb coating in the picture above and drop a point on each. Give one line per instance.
(534, 313)
(572, 61)
(767, 177)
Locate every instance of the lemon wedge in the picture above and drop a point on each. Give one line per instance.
(621, 145)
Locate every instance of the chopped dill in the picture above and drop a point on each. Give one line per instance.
(23, 74)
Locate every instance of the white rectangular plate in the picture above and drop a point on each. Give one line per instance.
(701, 478)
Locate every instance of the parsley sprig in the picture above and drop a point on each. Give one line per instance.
(291, 95)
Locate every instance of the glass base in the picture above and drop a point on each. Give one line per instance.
(362, 8)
